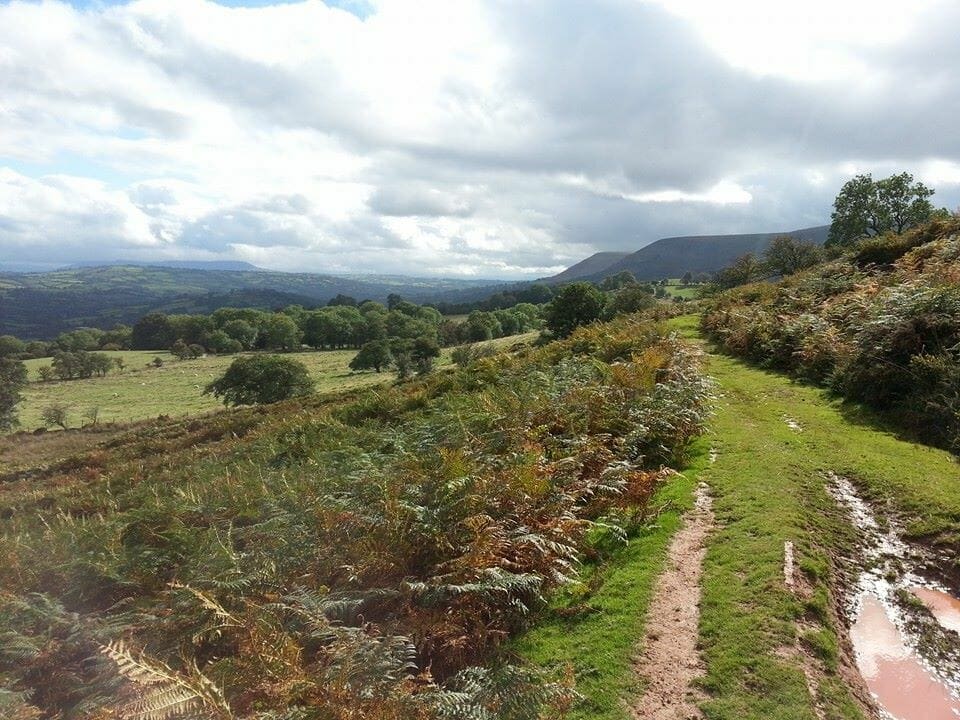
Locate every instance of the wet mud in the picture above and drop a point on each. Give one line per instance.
(903, 625)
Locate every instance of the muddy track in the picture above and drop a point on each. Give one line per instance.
(898, 616)
(669, 662)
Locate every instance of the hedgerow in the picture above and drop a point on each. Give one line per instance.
(351, 557)
(880, 325)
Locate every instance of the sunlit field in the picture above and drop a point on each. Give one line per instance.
(142, 391)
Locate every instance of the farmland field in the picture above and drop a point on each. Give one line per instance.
(676, 288)
(176, 388)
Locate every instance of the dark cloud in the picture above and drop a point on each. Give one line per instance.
(418, 199)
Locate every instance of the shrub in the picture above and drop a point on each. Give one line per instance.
(576, 304)
(353, 558)
(887, 335)
(463, 355)
(56, 414)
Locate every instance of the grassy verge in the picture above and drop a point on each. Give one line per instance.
(594, 627)
(769, 488)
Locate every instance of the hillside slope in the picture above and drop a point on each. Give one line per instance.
(594, 265)
(880, 325)
(343, 557)
(672, 257)
(231, 265)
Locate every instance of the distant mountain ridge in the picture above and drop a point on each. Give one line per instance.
(230, 265)
(672, 257)
(593, 265)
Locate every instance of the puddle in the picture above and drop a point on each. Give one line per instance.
(905, 684)
(894, 673)
(944, 607)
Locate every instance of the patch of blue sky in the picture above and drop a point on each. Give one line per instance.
(360, 8)
(68, 163)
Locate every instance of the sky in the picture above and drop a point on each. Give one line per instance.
(489, 139)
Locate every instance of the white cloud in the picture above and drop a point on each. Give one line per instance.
(725, 192)
(481, 137)
(816, 40)
(58, 213)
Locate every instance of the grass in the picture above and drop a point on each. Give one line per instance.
(133, 360)
(675, 288)
(176, 388)
(593, 628)
(769, 487)
(22, 451)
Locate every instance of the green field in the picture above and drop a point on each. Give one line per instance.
(675, 288)
(176, 389)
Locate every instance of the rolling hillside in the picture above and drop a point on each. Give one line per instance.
(594, 265)
(672, 257)
(41, 305)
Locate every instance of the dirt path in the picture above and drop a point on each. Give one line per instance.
(775, 617)
(669, 662)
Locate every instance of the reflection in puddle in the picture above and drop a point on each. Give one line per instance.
(904, 685)
(944, 607)
(894, 674)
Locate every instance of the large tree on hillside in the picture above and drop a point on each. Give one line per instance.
(866, 207)
(261, 379)
(373, 355)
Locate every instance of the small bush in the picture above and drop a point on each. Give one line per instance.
(55, 415)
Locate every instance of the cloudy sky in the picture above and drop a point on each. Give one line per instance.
(495, 138)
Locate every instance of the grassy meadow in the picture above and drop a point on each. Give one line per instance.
(142, 391)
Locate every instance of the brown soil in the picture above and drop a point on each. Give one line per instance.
(669, 661)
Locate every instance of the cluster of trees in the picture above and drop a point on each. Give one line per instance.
(78, 364)
(786, 255)
(533, 294)
(581, 303)
(404, 354)
(82, 339)
(340, 325)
